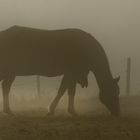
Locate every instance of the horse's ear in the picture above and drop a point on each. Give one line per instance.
(117, 79)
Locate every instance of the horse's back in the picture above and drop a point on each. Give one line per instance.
(31, 50)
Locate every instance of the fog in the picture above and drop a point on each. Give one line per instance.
(114, 23)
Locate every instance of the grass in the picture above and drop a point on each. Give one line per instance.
(92, 124)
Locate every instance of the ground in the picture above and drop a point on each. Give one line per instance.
(94, 124)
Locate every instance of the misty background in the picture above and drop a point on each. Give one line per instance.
(115, 24)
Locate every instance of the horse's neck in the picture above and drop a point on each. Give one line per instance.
(104, 77)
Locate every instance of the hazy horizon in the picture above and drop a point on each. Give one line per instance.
(114, 23)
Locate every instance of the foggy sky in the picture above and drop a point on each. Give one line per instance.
(115, 23)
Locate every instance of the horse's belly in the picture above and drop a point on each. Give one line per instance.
(26, 69)
(40, 70)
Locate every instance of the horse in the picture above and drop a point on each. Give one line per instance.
(71, 53)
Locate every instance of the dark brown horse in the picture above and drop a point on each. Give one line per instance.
(69, 52)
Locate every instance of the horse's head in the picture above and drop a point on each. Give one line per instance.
(110, 97)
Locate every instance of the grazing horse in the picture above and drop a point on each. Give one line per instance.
(68, 52)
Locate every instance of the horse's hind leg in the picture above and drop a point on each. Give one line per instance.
(60, 93)
(6, 85)
(71, 94)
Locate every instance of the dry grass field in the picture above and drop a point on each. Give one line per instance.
(93, 122)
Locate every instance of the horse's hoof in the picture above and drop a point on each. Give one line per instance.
(73, 113)
(10, 113)
(50, 114)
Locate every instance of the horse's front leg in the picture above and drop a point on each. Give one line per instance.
(60, 93)
(71, 94)
(6, 85)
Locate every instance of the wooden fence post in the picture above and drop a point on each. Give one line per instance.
(38, 86)
(128, 78)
